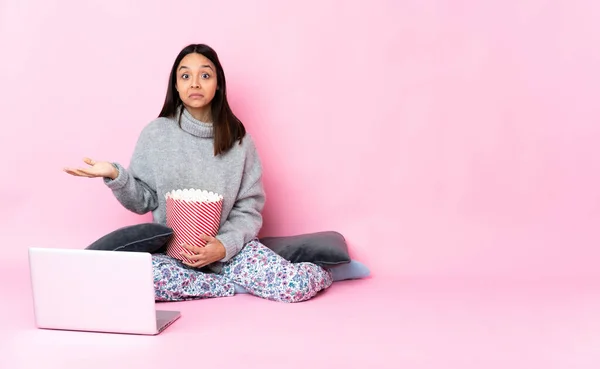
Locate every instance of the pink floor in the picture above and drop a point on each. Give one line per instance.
(374, 323)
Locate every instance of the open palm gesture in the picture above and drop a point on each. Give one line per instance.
(95, 169)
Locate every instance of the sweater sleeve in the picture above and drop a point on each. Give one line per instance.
(133, 187)
(245, 218)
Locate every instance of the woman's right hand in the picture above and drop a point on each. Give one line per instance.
(95, 169)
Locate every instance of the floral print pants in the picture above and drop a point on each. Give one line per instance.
(256, 268)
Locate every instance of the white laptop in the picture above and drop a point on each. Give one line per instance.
(95, 291)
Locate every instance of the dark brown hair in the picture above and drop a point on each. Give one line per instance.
(227, 128)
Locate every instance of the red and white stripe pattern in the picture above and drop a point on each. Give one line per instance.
(190, 219)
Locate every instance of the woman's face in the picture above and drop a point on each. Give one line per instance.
(196, 82)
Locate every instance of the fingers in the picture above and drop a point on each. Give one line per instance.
(194, 249)
(197, 264)
(207, 238)
(197, 261)
(78, 172)
(199, 257)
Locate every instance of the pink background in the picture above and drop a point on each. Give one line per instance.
(454, 143)
(448, 138)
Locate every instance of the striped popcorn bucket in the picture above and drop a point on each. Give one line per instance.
(191, 213)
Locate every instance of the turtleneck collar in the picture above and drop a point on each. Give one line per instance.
(194, 126)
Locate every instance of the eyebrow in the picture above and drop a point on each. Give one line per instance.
(202, 66)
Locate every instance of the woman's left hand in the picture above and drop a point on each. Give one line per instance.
(211, 252)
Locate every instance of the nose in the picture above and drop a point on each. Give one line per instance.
(196, 82)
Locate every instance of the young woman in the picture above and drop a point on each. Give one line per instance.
(197, 142)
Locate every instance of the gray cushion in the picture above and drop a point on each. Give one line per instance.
(325, 249)
(322, 248)
(145, 237)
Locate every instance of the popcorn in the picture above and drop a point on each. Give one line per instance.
(190, 213)
(194, 195)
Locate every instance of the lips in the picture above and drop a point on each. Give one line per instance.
(197, 96)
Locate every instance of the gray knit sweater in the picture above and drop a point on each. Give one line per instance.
(169, 157)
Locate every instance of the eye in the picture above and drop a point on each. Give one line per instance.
(185, 76)
(205, 75)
